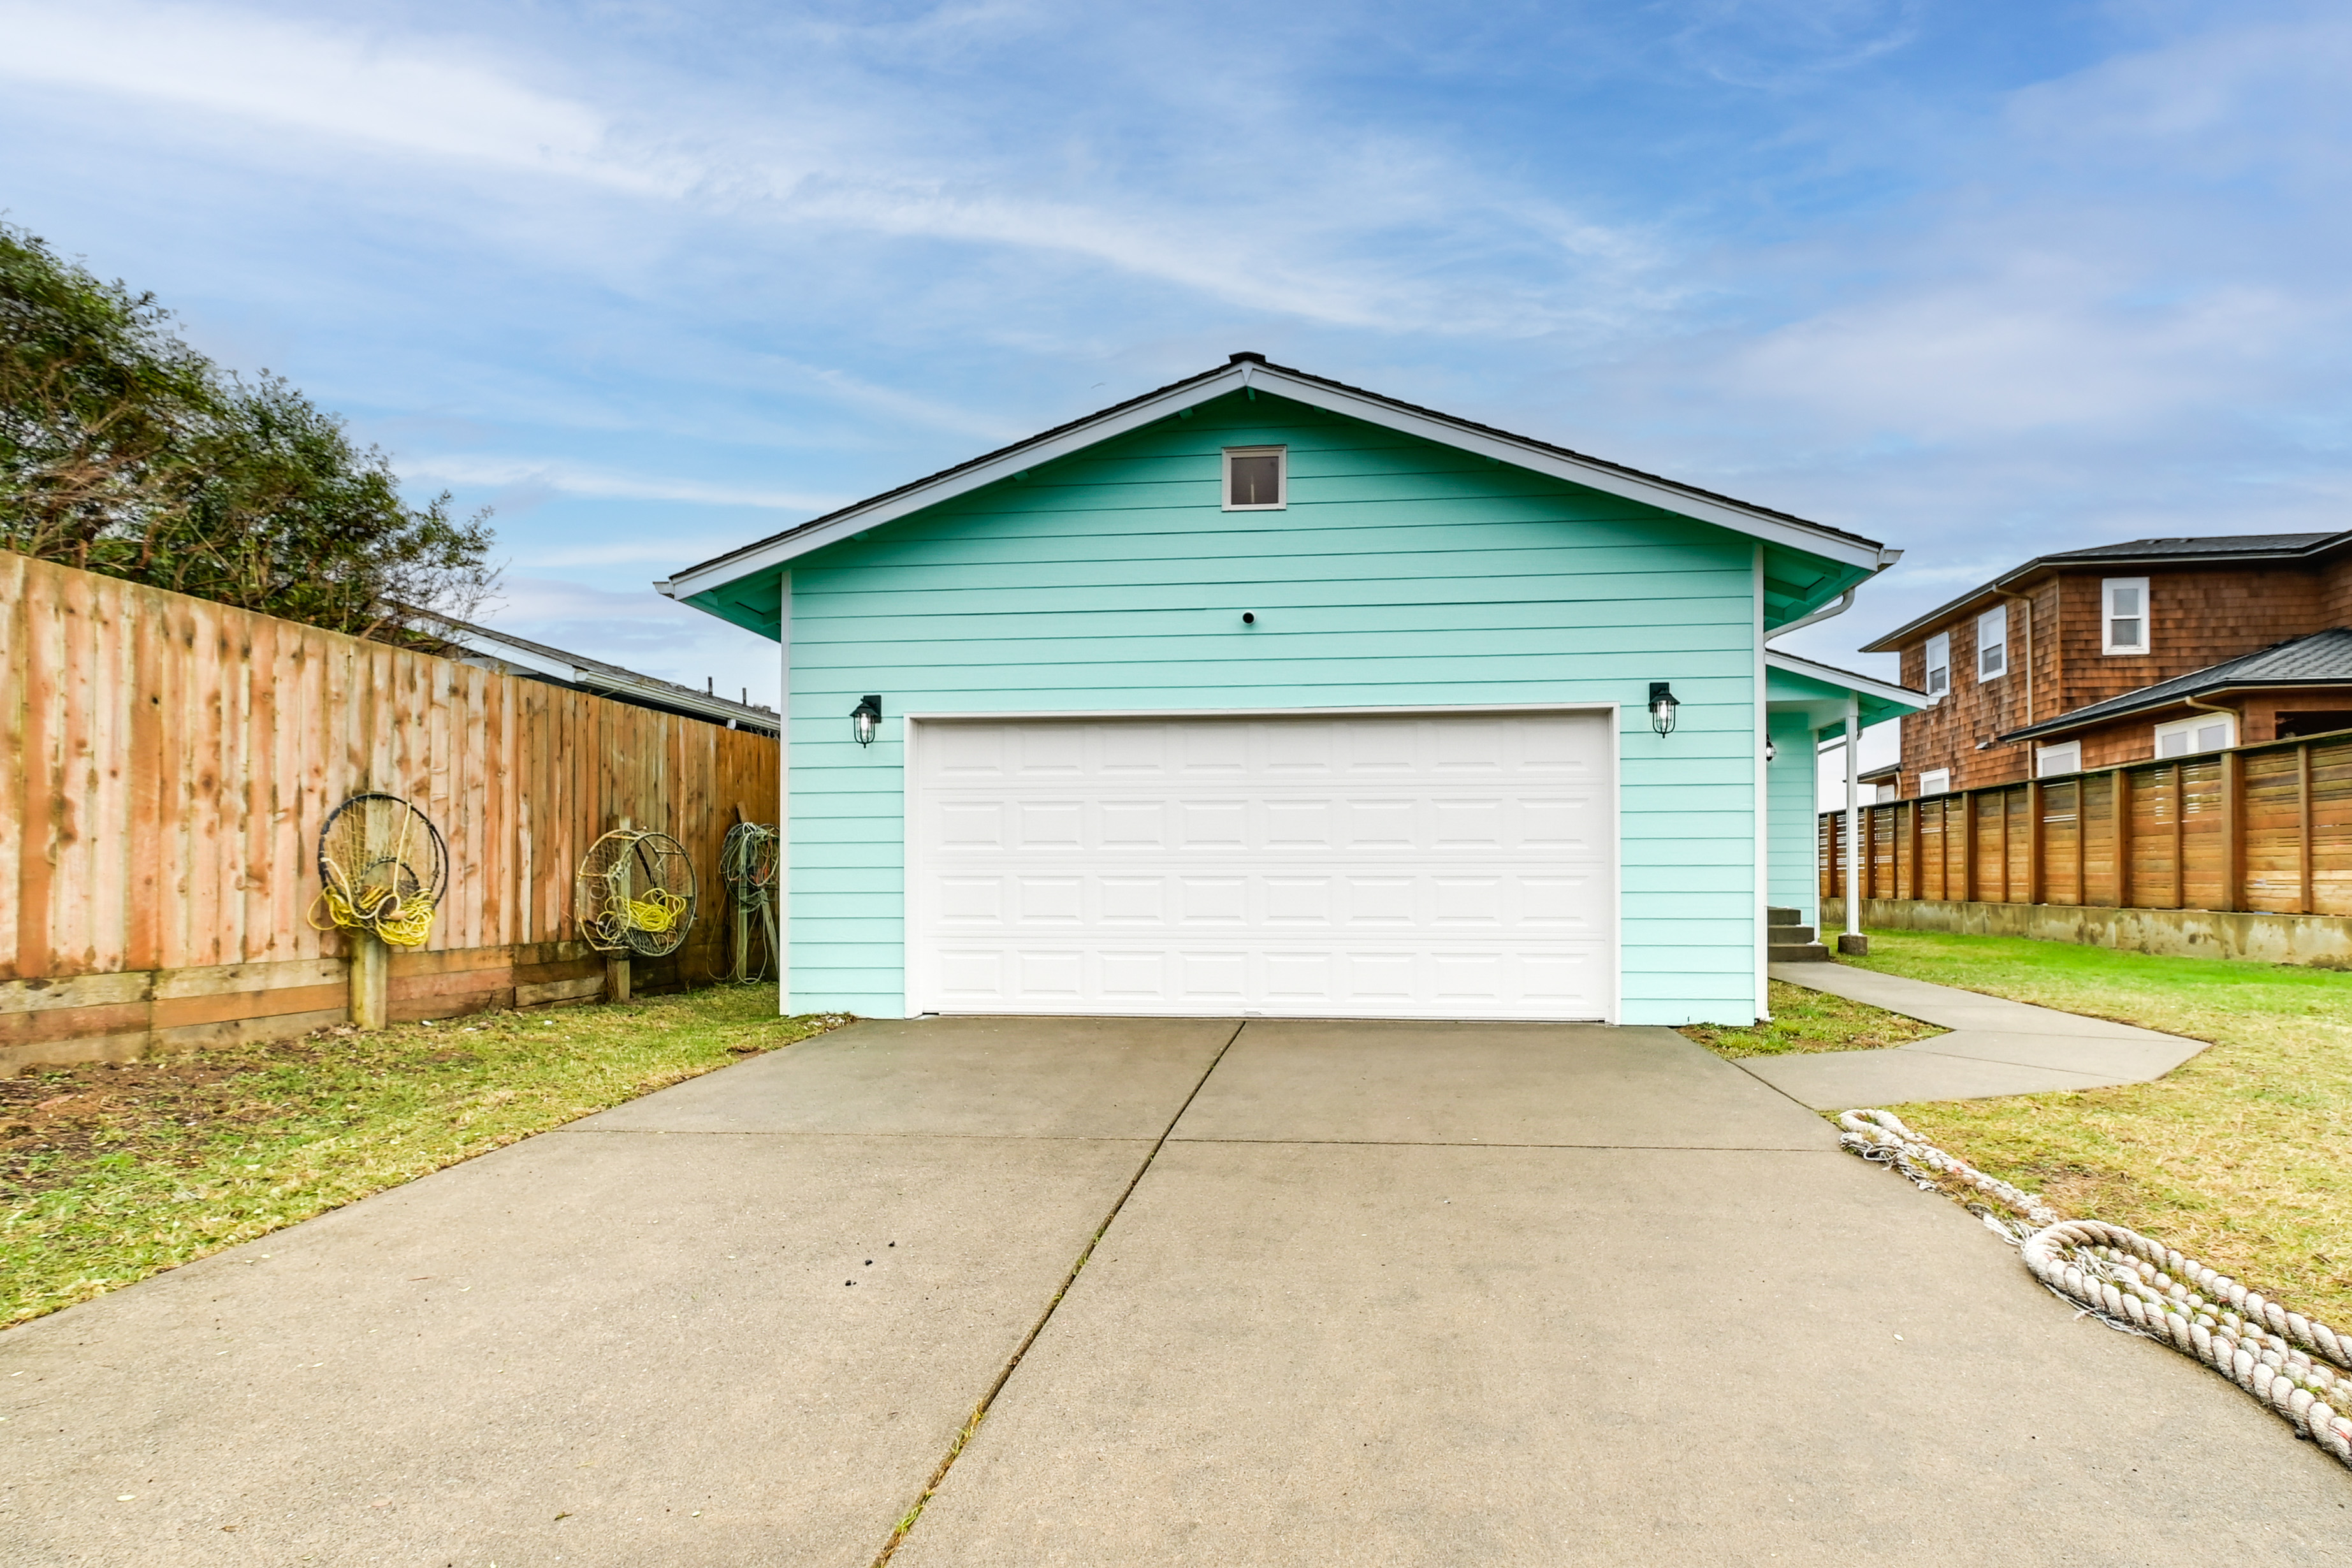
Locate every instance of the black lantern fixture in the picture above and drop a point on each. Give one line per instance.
(1663, 703)
(864, 718)
(1771, 751)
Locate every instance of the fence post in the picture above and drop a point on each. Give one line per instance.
(370, 981)
(2303, 825)
(2036, 808)
(616, 965)
(2121, 801)
(1967, 847)
(1918, 882)
(2233, 838)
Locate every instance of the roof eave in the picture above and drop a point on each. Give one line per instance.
(778, 549)
(1868, 686)
(2066, 721)
(1892, 641)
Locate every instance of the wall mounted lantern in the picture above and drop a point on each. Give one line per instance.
(1662, 704)
(1771, 751)
(864, 716)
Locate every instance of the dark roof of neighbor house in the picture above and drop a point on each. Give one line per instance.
(987, 458)
(2215, 550)
(593, 675)
(2322, 658)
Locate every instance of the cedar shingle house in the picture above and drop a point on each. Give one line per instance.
(2118, 654)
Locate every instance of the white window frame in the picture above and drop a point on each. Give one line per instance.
(2108, 617)
(1281, 455)
(1993, 632)
(2189, 727)
(2064, 757)
(1936, 680)
(1934, 781)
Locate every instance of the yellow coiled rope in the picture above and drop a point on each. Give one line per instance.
(657, 910)
(401, 922)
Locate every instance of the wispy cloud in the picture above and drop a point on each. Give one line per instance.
(557, 477)
(1331, 241)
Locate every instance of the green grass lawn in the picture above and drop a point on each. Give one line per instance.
(111, 1173)
(2241, 1158)
(1806, 1020)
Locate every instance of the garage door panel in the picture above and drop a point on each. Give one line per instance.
(1241, 865)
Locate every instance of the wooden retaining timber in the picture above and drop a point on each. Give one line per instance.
(165, 764)
(2261, 829)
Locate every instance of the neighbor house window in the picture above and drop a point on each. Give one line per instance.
(1992, 644)
(2064, 758)
(2124, 613)
(1939, 665)
(2204, 733)
(1255, 478)
(1935, 781)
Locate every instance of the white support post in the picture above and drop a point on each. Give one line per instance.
(782, 934)
(1853, 942)
(1759, 742)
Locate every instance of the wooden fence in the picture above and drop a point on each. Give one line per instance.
(2264, 828)
(165, 764)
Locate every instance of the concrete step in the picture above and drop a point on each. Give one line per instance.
(1775, 915)
(1796, 953)
(1796, 935)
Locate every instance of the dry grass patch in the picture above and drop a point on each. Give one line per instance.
(1806, 1020)
(2242, 1157)
(111, 1173)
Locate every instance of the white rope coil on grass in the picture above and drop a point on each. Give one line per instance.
(2296, 1365)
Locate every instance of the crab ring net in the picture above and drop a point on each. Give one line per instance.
(383, 867)
(636, 893)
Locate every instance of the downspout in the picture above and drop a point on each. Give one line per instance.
(2237, 718)
(2027, 601)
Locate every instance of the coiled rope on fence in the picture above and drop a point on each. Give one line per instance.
(2294, 1364)
(402, 868)
(747, 865)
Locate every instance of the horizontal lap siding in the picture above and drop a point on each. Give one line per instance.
(1791, 797)
(1402, 572)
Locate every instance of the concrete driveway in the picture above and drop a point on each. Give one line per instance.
(1392, 1293)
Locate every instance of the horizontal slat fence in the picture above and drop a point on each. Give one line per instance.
(2260, 829)
(165, 766)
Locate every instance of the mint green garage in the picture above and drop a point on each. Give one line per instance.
(1261, 695)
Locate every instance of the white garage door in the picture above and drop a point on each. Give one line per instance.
(1443, 865)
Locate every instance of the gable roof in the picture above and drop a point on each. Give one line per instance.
(1819, 690)
(2213, 550)
(698, 584)
(2323, 659)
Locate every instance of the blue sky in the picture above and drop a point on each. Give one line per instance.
(1977, 279)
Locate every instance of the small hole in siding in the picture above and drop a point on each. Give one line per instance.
(1249, 618)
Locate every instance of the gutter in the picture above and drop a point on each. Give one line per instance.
(1844, 603)
(2065, 722)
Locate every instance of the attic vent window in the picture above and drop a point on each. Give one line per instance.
(1255, 478)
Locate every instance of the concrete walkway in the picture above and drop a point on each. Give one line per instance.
(1996, 1047)
(1406, 1294)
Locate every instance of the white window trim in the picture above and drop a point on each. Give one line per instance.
(1997, 615)
(2108, 617)
(1934, 781)
(2190, 726)
(1938, 657)
(1281, 455)
(2049, 763)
